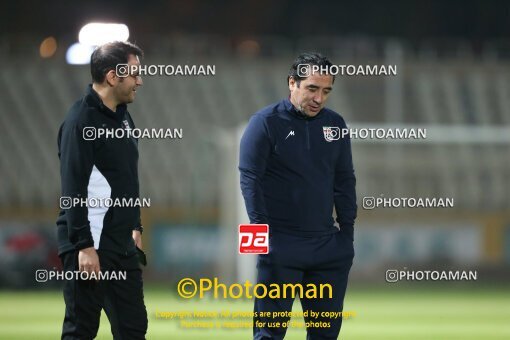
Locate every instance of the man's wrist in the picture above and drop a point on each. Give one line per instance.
(86, 249)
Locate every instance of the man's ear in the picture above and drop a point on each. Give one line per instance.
(292, 83)
(111, 78)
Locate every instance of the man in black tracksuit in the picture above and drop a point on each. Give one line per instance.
(101, 238)
(295, 167)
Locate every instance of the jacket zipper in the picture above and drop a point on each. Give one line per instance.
(307, 137)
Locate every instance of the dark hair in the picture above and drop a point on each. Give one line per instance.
(107, 56)
(312, 58)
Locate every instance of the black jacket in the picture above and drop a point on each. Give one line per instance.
(98, 168)
(293, 171)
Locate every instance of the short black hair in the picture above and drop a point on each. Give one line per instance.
(107, 56)
(309, 58)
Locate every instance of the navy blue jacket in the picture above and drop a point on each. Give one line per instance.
(292, 176)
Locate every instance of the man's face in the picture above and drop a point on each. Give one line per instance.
(311, 94)
(126, 86)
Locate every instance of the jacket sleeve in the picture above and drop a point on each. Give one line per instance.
(345, 188)
(76, 163)
(255, 149)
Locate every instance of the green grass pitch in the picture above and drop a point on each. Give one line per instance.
(385, 313)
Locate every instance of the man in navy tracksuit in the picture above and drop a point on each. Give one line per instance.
(295, 167)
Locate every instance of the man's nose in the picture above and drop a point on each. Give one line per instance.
(318, 98)
(139, 81)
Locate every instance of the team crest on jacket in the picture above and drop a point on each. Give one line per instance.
(331, 133)
(126, 124)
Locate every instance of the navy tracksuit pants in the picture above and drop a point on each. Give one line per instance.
(295, 259)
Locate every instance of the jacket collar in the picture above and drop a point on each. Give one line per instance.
(92, 98)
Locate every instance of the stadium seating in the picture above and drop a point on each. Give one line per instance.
(426, 93)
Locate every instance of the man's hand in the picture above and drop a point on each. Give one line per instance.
(137, 236)
(88, 261)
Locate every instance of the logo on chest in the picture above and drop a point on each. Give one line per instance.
(126, 124)
(291, 133)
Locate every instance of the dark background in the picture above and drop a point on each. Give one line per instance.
(412, 21)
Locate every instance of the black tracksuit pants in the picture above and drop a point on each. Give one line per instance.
(122, 300)
(294, 259)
